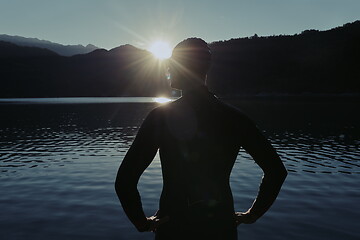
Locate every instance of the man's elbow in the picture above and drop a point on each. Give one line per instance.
(282, 173)
(117, 187)
(120, 186)
(277, 174)
(124, 185)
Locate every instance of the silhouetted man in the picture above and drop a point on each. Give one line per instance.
(198, 138)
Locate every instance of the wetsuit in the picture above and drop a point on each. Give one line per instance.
(198, 138)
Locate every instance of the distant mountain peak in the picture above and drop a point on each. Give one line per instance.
(8, 49)
(64, 50)
(91, 46)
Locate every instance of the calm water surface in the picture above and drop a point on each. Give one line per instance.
(58, 162)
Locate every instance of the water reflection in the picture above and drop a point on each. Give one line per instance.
(30, 139)
(46, 146)
(58, 163)
(41, 147)
(78, 100)
(162, 100)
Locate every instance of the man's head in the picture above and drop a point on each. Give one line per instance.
(189, 63)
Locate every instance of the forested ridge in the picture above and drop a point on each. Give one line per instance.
(309, 63)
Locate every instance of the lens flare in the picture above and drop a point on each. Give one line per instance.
(160, 49)
(162, 100)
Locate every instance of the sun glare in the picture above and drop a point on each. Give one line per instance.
(162, 100)
(160, 49)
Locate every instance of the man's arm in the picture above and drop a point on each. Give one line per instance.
(274, 173)
(137, 159)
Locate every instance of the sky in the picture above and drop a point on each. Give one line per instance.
(110, 23)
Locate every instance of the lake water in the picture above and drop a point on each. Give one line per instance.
(59, 158)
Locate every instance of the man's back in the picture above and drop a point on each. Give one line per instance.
(199, 141)
(198, 138)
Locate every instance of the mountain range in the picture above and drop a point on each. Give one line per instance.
(63, 50)
(309, 63)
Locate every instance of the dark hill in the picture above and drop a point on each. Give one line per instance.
(313, 62)
(123, 71)
(64, 50)
(10, 50)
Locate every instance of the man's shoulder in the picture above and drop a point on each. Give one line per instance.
(221, 107)
(178, 103)
(157, 113)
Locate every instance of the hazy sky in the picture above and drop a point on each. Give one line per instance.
(110, 23)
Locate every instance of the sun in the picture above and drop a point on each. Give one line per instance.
(160, 49)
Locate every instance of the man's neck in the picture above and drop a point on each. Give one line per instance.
(194, 90)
